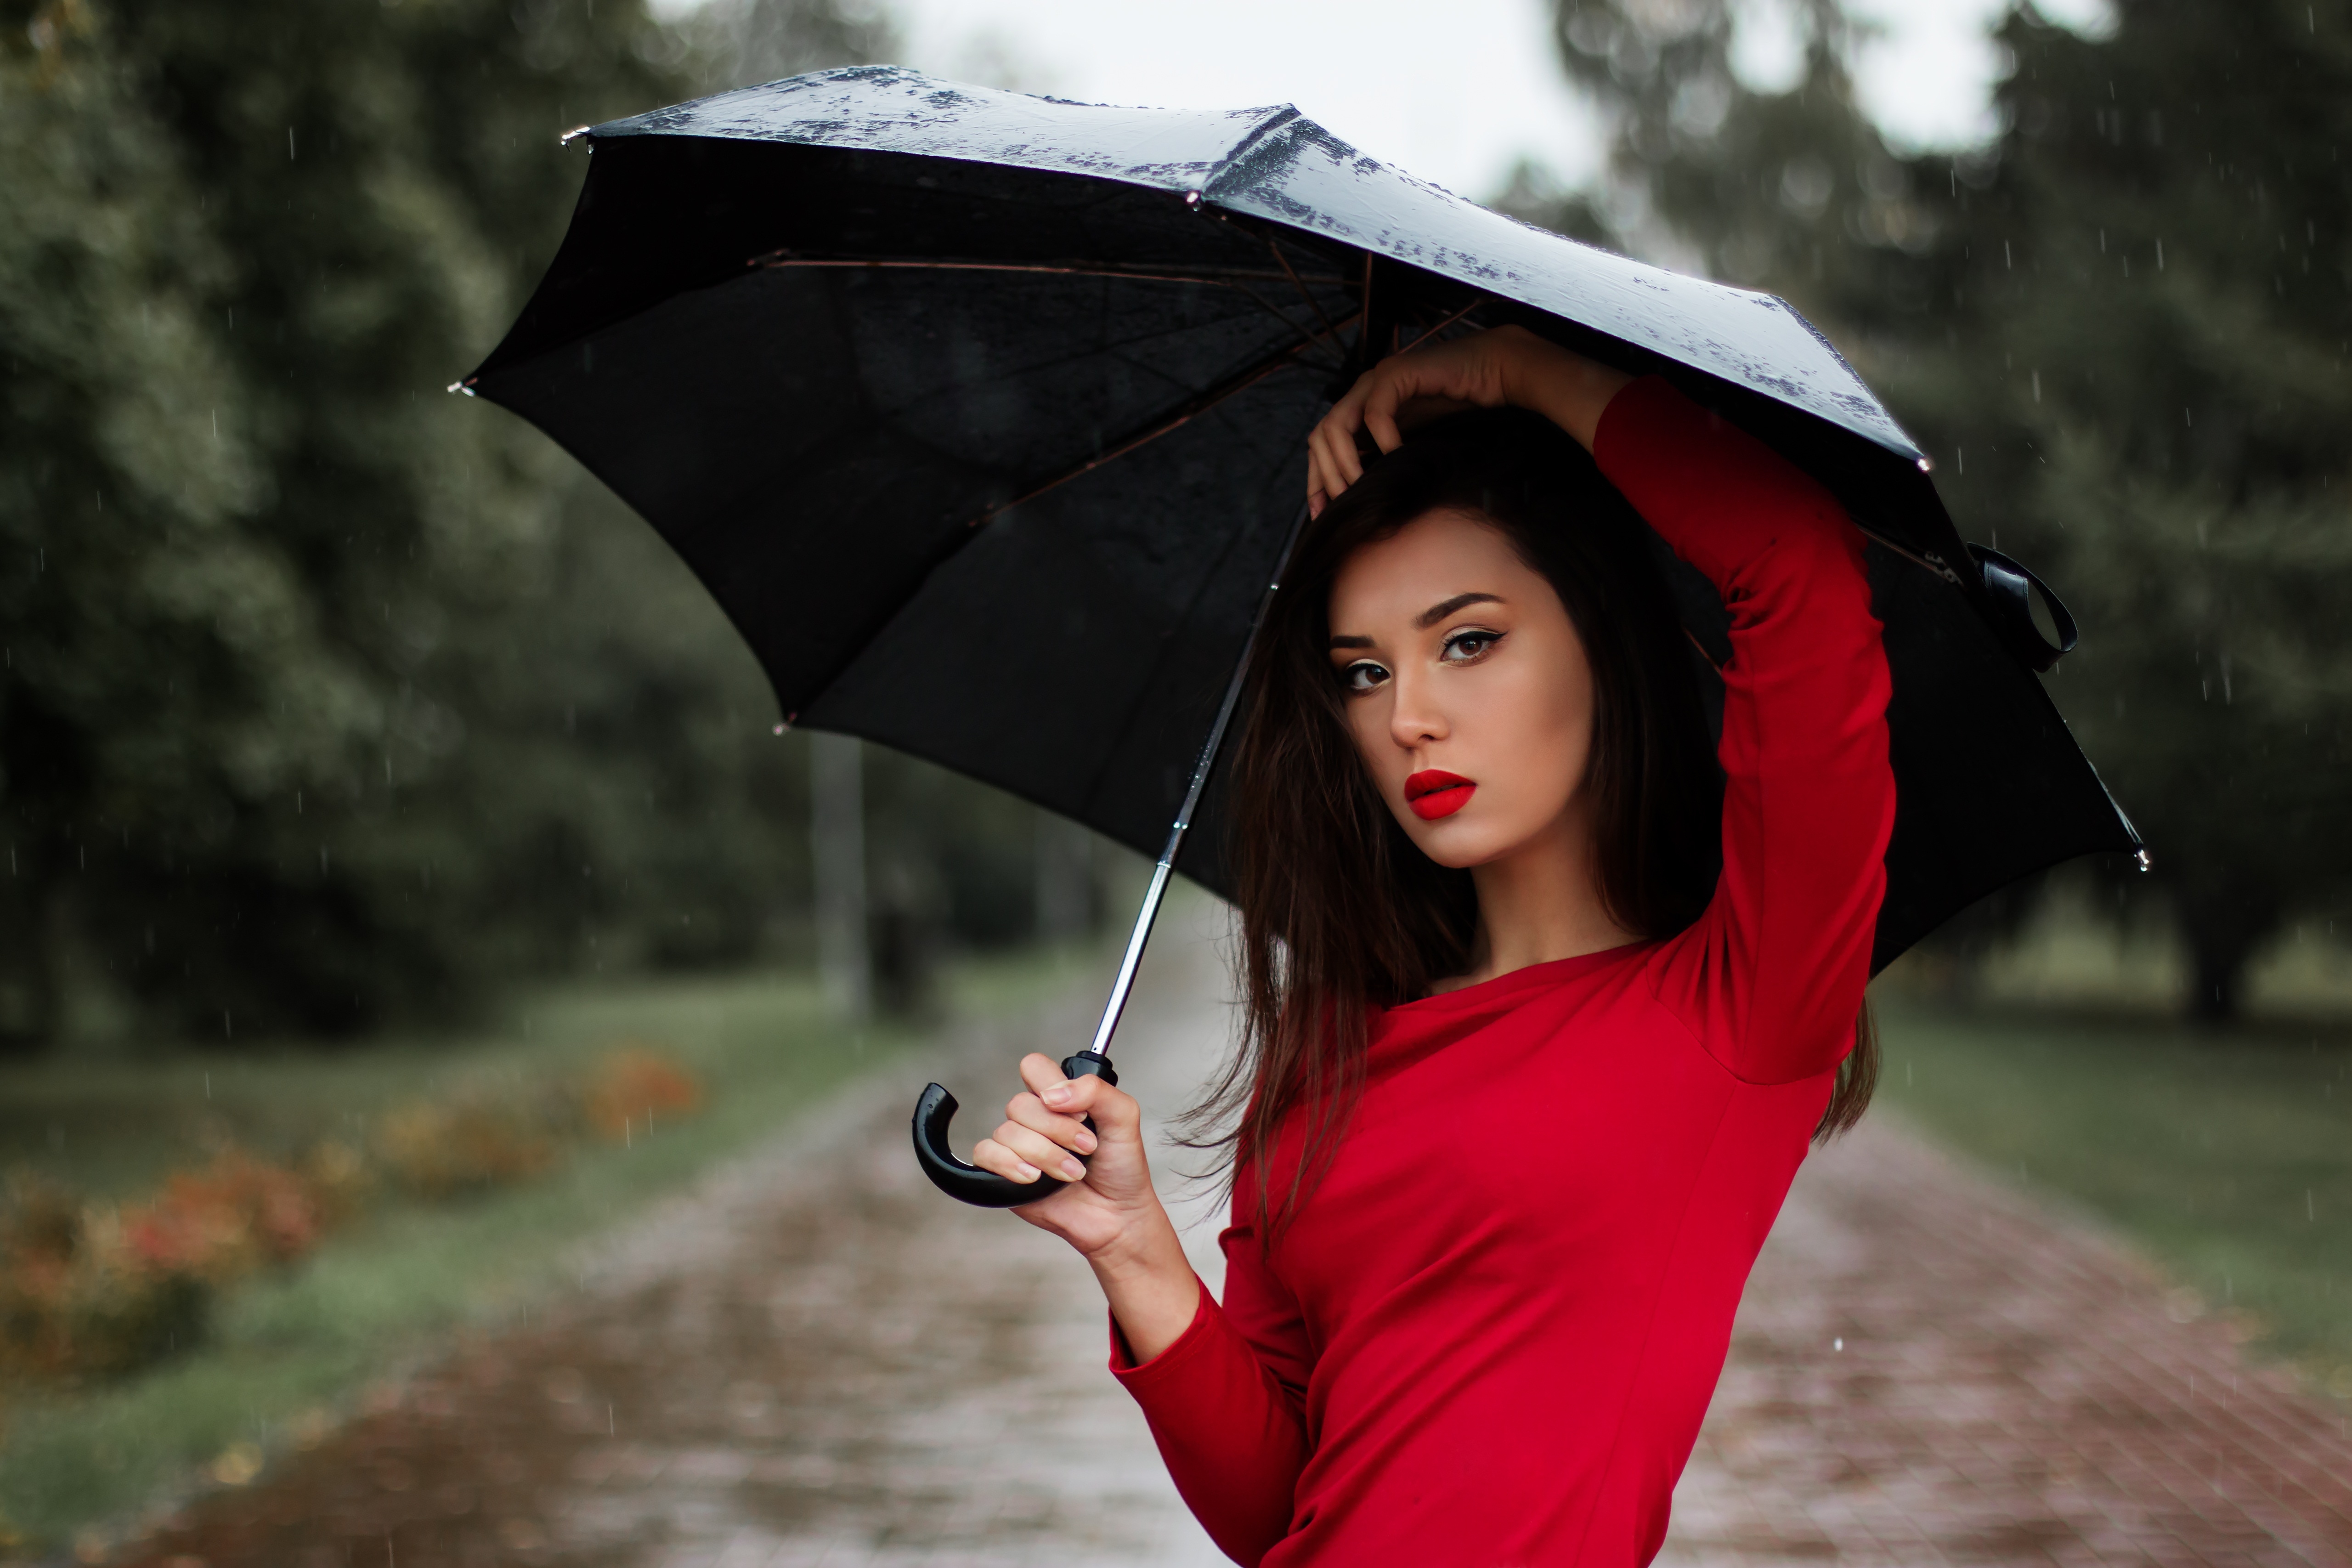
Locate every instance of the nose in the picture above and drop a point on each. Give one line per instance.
(1416, 719)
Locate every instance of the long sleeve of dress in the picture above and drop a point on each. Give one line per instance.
(1224, 1403)
(1773, 972)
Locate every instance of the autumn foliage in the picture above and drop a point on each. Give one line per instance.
(90, 1288)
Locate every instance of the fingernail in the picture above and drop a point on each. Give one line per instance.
(1057, 1095)
(1085, 1142)
(1074, 1171)
(1027, 1172)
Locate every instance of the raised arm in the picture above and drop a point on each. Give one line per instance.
(1771, 976)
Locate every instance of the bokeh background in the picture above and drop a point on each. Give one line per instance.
(406, 882)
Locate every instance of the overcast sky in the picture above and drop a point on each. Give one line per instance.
(1452, 90)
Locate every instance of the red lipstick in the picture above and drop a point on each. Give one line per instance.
(1433, 792)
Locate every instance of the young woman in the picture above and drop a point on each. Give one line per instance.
(1543, 1006)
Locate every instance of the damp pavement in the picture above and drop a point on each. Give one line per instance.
(813, 1358)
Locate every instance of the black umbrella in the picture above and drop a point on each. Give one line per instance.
(982, 416)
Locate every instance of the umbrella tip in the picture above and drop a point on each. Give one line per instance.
(1193, 200)
(2141, 860)
(1927, 466)
(464, 386)
(565, 140)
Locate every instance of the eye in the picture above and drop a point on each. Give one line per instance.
(1470, 645)
(1364, 676)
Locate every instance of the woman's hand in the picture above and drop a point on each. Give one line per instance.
(1506, 366)
(1106, 1209)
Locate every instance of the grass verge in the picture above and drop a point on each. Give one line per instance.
(289, 1350)
(2226, 1154)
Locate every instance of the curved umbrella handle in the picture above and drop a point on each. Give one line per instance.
(967, 1183)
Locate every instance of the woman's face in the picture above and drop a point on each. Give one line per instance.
(1467, 689)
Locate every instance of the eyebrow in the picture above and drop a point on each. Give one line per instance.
(1427, 618)
(1438, 612)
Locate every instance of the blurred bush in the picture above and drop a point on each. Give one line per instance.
(90, 1290)
(476, 1139)
(632, 1086)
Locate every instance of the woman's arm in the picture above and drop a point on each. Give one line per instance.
(1772, 974)
(1508, 365)
(1108, 1210)
(1226, 1402)
(1228, 1427)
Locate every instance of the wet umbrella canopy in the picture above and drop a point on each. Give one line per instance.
(983, 417)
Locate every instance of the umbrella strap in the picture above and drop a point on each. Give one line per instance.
(1166, 866)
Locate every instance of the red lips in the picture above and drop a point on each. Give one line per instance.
(1433, 792)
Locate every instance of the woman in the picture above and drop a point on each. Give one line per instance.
(1528, 1067)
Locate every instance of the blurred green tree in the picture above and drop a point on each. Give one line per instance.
(329, 698)
(2121, 329)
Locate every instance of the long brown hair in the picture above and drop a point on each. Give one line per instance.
(1341, 914)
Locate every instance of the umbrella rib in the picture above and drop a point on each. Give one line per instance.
(1711, 663)
(1185, 413)
(1441, 326)
(1306, 293)
(1271, 309)
(1228, 276)
(1935, 563)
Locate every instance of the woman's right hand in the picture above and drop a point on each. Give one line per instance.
(1485, 369)
(1100, 1202)
(1106, 1209)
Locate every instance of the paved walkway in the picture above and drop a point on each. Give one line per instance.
(816, 1360)
(1929, 1368)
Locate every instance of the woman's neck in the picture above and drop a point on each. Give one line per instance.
(1539, 904)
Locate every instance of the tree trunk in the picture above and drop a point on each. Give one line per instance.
(837, 835)
(31, 996)
(2223, 928)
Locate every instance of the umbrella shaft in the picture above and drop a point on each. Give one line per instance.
(1134, 958)
(1136, 938)
(1166, 868)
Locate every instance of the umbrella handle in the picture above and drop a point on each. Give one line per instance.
(967, 1183)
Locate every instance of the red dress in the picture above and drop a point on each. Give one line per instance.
(1488, 1337)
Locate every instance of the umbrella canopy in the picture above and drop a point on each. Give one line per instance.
(983, 416)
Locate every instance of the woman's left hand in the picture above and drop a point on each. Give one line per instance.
(1481, 370)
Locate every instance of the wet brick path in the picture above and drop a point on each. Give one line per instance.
(816, 1360)
(1929, 1368)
